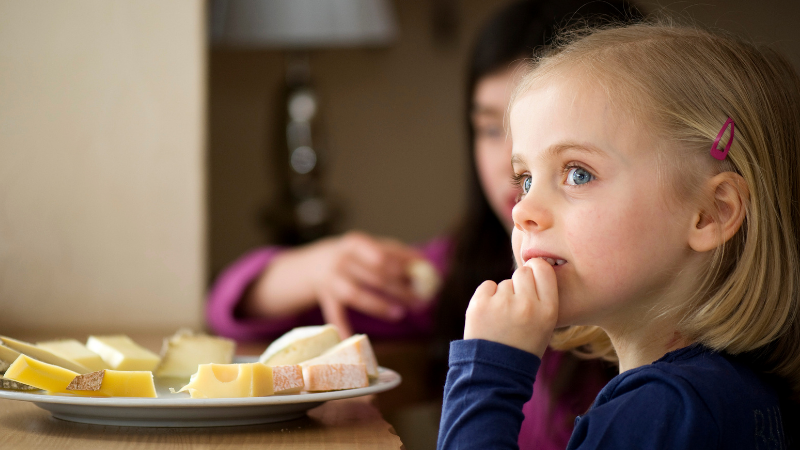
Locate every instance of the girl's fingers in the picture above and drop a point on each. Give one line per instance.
(546, 285)
(369, 303)
(335, 314)
(398, 288)
(524, 283)
(505, 286)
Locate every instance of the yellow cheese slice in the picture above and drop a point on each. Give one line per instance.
(40, 375)
(121, 353)
(74, 351)
(230, 381)
(7, 356)
(300, 344)
(354, 350)
(43, 355)
(114, 383)
(184, 351)
(333, 377)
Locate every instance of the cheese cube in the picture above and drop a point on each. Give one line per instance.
(300, 344)
(74, 351)
(184, 351)
(333, 377)
(230, 381)
(113, 383)
(44, 355)
(287, 379)
(121, 353)
(354, 350)
(40, 375)
(7, 356)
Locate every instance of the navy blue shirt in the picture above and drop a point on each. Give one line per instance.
(692, 398)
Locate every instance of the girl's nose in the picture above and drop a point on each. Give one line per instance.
(531, 213)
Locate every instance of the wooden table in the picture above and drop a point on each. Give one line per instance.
(340, 424)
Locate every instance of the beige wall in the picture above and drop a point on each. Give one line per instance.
(394, 118)
(101, 165)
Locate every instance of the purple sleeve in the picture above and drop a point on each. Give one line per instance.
(229, 289)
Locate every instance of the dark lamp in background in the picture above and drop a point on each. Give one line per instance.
(303, 210)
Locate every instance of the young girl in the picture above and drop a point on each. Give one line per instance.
(660, 176)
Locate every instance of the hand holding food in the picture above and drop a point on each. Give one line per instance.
(520, 312)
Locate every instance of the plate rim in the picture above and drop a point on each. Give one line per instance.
(380, 385)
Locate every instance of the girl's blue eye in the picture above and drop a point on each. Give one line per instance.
(577, 176)
(526, 185)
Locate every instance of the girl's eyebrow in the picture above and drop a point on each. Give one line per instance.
(557, 149)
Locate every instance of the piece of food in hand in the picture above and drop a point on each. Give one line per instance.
(43, 355)
(425, 280)
(5, 383)
(183, 352)
(7, 356)
(334, 377)
(300, 344)
(114, 383)
(354, 350)
(230, 381)
(287, 379)
(73, 350)
(40, 375)
(121, 353)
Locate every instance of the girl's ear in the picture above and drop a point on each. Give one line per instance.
(724, 208)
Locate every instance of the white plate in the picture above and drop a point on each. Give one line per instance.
(178, 410)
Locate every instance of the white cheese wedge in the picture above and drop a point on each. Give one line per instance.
(425, 280)
(7, 357)
(230, 381)
(300, 344)
(183, 352)
(354, 350)
(287, 379)
(121, 353)
(334, 377)
(43, 355)
(74, 351)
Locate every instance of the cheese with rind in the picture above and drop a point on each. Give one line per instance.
(121, 353)
(334, 377)
(74, 351)
(287, 379)
(354, 350)
(43, 355)
(231, 381)
(5, 383)
(114, 383)
(300, 344)
(183, 352)
(40, 375)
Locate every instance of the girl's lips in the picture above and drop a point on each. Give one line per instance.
(552, 259)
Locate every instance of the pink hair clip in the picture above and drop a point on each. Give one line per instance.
(715, 151)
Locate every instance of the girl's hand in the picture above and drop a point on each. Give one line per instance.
(355, 271)
(369, 275)
(520, 312)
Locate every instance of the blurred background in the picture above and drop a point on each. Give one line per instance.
(138, 158)
(145, 145)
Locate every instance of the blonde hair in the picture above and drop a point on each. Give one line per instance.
(684, 82)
